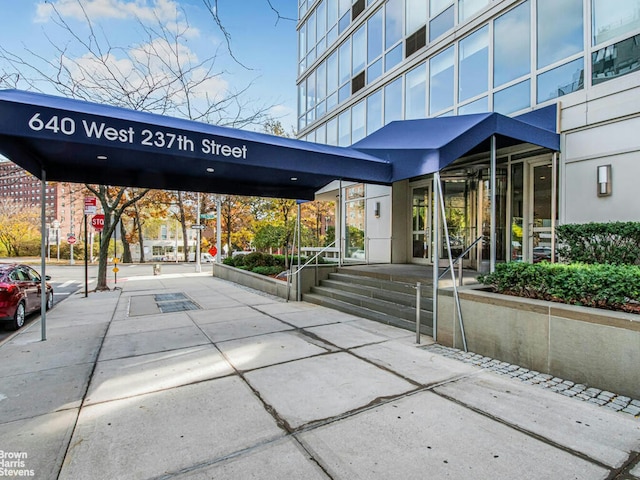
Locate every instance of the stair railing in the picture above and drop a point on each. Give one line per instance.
(290, 274)
(458, 260)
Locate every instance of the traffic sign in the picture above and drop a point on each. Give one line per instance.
(213, 251)
(198, 227)
(71, 239)
(90, 205)
(97, 222)
(208, 216)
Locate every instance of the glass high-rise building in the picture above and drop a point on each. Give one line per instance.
(366, 63)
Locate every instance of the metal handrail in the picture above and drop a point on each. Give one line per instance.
(291, 273)
(459, 257)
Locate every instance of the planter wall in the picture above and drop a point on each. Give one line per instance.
(279, 288)
(599, 348)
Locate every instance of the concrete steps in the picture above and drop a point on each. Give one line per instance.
(376, 297)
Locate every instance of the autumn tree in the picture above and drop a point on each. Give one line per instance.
(19, 227)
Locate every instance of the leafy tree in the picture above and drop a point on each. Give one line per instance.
(19, 227)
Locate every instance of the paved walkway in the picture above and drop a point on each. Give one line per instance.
(190, 377)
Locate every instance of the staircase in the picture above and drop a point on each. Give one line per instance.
(383, 298)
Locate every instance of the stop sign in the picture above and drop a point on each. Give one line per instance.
(97, 222)
(71, 239)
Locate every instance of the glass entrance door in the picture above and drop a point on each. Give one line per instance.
(421, 224)
(540, 231)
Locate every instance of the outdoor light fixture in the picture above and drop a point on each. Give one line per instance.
(101, 157)
(604, 180)
(211, 170)
(294, 179)
(376, 211)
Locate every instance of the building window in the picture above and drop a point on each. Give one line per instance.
(359, 50)
(561, 80)
(611, 20)
(415, 15)
(393, 101)
(441, 24)
(416, 93)
(441, 80)
(560, 30)
(478, 106)
(468, 8)
(512, 53)
(374, 37)
(357, 9)
(332, 132)
(344, 129)
(358, 121)
(357, 83)
(616, 60)
(416, 41)
(512, 99)
(374, 112)
(392, 23)
(473, 70)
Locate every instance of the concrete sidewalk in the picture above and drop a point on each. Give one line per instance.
(188, 376)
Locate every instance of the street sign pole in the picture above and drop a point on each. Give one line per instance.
(86, 260)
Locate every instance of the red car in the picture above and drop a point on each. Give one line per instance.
(20, 293)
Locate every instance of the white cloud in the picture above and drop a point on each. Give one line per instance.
(167, 12)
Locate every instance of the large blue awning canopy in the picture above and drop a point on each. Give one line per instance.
(420, 147)
(81, 142)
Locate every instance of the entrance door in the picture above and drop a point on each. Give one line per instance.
(421, 224)
(539, 221)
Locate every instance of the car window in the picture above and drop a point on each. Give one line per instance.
(19, 275)
(15, 276)
(31, 274)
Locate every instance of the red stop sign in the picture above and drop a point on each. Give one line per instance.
(97, 222)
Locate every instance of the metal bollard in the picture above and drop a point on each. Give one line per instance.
(418, 295)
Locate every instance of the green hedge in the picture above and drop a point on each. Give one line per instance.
(263, 263)
(615, 287)
(617, 243)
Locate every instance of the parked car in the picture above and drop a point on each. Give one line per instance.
(20, 293)
(542, 253)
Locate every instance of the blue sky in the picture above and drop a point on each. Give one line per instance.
(266, 45)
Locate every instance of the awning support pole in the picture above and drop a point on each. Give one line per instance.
(492, 235)
(43, 263)
(434, 254)
(456, 296)
(299, 275)
(554, 204)
(338, 229)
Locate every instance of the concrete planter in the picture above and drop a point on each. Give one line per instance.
(599, 348)
(279, 288)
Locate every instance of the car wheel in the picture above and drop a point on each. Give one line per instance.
(18, 317)
(49, 300)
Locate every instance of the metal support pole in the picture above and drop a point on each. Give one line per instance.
(339, 226)
(197, 249)
(86, 259)
(554, 204)
(418, 295)
(219, 229)
(456, 296)
(299, 275)
(436, 252)
(43, 263)
(492, 241)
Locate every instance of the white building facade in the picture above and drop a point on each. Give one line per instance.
(365, 63)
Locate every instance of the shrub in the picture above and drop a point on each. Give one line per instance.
(615, 287)
(273, 270)
(617, 243)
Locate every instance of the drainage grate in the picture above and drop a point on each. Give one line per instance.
(177, 306)
(165, 297)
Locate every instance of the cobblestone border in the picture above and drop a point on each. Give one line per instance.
(585, 393)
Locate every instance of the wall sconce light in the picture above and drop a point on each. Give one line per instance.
(604, 180)
(376, 211)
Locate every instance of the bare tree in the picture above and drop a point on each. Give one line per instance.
(160, 75)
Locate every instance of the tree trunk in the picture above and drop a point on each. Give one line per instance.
(126, 248)
(136, 222)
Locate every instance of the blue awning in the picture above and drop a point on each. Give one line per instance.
(420, 147)
(82, 142)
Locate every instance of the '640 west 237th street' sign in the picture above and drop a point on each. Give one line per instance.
(58, 124)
